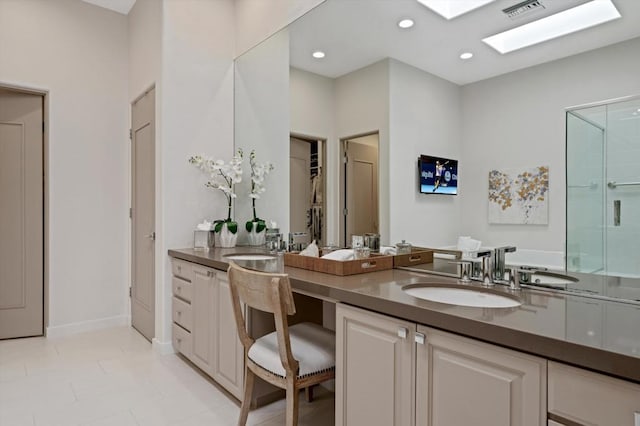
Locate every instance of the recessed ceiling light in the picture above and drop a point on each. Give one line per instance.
(405, 23)
(466, 55)
(449, 9)
(571, 20)
(318, 54)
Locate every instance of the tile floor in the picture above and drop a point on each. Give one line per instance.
(112, 377)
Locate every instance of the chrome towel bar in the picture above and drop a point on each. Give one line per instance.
(614, 185)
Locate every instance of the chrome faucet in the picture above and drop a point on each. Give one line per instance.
(486, 275)
(494, 268)
(499, 268)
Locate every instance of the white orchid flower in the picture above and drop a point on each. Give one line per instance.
(222, 176)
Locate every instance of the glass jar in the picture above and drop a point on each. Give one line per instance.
(403, 247)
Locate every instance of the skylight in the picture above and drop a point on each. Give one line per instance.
(571, 20)
(450, 9)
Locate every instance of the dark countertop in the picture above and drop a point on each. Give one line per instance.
(599, 335)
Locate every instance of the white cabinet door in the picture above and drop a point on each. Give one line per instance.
(375, 358)
(203, 318)
(461, 381)
(591, 398)
(228, 368)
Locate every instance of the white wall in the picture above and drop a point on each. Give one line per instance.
(78, 52)
(313, 114)
(362, 106)
(518, 120)
(424, 119)
(145, 47)
(262, 123)
(196, 117)
(256, 20)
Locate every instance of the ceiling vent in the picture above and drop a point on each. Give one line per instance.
(523, 8)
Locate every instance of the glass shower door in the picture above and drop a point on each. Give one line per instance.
(585, 194)
(622, 203)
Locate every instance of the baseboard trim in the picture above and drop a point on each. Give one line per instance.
(83, 326)
(162, 348)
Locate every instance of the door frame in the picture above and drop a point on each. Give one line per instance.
(157, 263)
(342, 229)
(39, 91)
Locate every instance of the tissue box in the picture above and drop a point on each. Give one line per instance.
(203, 240)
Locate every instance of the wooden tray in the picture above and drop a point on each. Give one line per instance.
(374, 263)
(418, 256)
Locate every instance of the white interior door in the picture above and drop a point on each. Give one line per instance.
(143, 215)
(21, 214)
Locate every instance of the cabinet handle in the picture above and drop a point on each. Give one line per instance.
(419, 338)
(179, 268)
(179, 313)
(179, 339)
(402, 332)
(209, 273)
(178, 289)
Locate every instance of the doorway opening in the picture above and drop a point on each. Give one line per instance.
(359, 189)
(307, 187)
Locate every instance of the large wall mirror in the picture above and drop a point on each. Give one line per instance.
(382, 96)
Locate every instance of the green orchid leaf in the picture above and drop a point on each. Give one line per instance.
(261, 226)
(218, 226)
(248, 226)
(232, 227)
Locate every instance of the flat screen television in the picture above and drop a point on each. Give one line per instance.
(438, 175)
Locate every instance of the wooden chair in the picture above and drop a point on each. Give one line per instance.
(291, 358)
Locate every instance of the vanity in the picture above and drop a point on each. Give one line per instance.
(557, 359)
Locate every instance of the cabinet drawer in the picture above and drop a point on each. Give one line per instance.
(182, 269)
(182, 313)
(181, 339)
(181, 288)
(591, 398)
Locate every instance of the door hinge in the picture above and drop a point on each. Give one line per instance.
(129, 291)
(43, 127)
(130, 134)
(345, 212)
(345, 159)
(130, 213)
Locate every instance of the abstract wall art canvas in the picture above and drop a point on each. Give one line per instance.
(519, 196)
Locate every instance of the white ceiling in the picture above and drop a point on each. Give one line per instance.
(356, 33)
(120, 6)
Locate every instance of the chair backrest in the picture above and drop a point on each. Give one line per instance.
(267, 292)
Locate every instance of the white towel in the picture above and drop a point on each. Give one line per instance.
(342, 255)
(468, 244)
(205, 226)
(389, 251)
(311, 250)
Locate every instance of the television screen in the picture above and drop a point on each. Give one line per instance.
(438, 175)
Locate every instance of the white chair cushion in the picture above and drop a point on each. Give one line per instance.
(313, 346)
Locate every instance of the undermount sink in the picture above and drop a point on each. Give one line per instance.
(551, 278)
(461, 296)
(250, 256)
